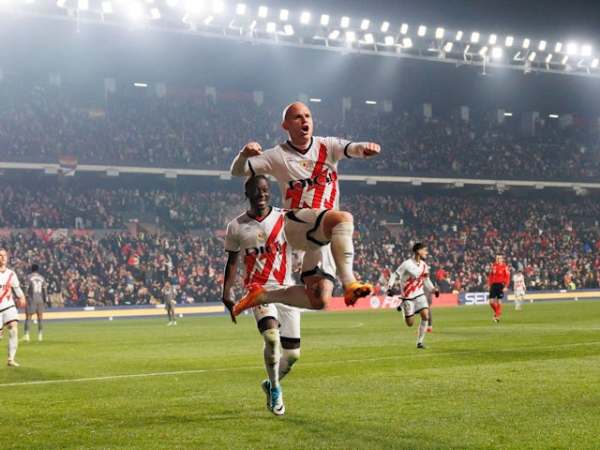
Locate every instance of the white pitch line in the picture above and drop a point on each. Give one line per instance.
(231, 369)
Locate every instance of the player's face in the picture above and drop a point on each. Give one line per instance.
(298, 123)
(423, 252)
(499, 259)
(3, 258)
(259, 194)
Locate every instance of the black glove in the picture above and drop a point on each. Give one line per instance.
(436, 293)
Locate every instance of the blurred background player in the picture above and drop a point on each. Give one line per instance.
(498, 281)
(519, 289)
(268, 261)
(170, 295)
(9, 289)
(414, 287)
(37, 299)
(305, 167)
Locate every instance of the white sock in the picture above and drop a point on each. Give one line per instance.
(272, 355)
(287, 360)
(342, 249)
(422, 330)
(292, 296)
(13, 343)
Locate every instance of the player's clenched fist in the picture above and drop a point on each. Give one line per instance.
(370, 148)
(251, 149)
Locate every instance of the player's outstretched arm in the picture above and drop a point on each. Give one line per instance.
(363, 149)
(228, 282)
(239, 167)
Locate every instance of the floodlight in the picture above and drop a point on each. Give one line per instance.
(385, 26)
(135, 11)
(334, 34)
(572, 48)
(83, 5)
(448, 47)
(542, 46)
(263, 11)
(474, 37)
(594, 64)
(404, 28)
(324, 20)
(288, 29)
(240, 9)
(369, 39)
(107, 7)
(364, 24)
(532, 56)
(439, 33)
(407, 42)
(558, 47)
(305, 18)
(422, 30)
(389, 40)
(483, 51)
(155, 13)
(497, 52)
(284, 15)
(548, 58)
(493, 39)
(509, 41)
(586, 50)
(218, 6)
(526, 43)
(350, 36)
(271, 27)
(345, 22)
(459, 35)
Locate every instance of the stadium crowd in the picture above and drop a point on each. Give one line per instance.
(45, 124)
(546, 238)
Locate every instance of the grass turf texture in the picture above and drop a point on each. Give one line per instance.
(532, 381)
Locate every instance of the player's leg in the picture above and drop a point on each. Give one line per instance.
(40, 318)
(429, 302)
(407, 307)
(424, 313)
(518, 301)
(28, 315)
(11, 323)
(173, 313)
(268, 326)
(289, 320)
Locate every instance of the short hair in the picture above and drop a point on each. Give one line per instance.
(253, 181)
(35, 267)
(418, 246)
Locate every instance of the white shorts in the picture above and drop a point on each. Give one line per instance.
(412, 307)
(10, 314)
(303, 231)
(287, 316)
(519, 293)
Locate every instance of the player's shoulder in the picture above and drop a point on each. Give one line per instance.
(237, 221)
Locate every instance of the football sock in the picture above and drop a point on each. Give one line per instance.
(493, 306)
(272, 354)
(430, 318)
(40, 326)
(26, 327)
(13, 343)
(499, 309)
(422, 331)
(342, 249)
(287, 360)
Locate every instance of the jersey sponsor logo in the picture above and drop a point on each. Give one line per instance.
(268, 254)
(276, 247)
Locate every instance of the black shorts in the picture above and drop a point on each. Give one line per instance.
(497, 291)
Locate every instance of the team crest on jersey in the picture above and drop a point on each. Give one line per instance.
(305, 164)
(261, 236)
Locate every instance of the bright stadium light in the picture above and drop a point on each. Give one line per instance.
(586, 50)
(240, 9)
(284, 15)
(107, 7)
(314, 100)
(83, 5)
(594, 64)
(364, 24)
(172, 3)
(208, 20)
(508, 114)
(135, 11)
(439, 33)
(565, 60)
(572, 48)
(324, 20)
(548, 58)
(404, 28)
(334, 34)
(526, 43)
(459, 36)
(155, 13)
(218, 6)
(422, 30)
(448, 47)
(475, 37)
(350, 37)
(263, 11)
(389, 40)
(345, 22)
(542, 46)
(305, 18)
(253, 25)
(509, 41)
(558, 47)
(193, 7)
(497, 53)
(407, 42)
(553, 116)
(385, 26)
(483, 51)
(59, 3)
(369, 39)
(532, 56)
(288, 29)
(493, 39)
(370, 102)
(141, 85)
(271, 27)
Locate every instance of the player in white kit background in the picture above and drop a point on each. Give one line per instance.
(305, 167)
(519, 289)
(10, 289)
(259, 236)
(415, 284)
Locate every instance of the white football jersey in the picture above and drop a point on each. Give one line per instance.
(518, 282)
(9, 283)
(414, 279)
(267, 256)
(307, 179)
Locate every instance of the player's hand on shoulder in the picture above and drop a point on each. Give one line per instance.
(229, 305)
(371, 149)
(251, 149)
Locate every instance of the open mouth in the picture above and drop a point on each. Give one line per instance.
(305, 129)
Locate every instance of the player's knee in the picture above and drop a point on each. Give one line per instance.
(345, 217)
(272, 339)
(292, 355)
(271, 336)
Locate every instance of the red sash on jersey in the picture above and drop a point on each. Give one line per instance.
(6, 289)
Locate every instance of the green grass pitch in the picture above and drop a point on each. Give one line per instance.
(532, 381)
